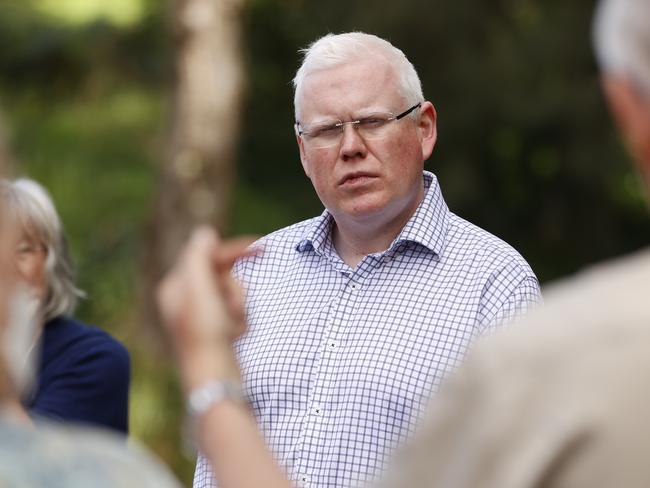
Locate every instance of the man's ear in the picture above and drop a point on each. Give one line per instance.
(427, 129)
(632, 113)
(303, 155)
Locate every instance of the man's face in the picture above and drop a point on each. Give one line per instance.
(359, 179)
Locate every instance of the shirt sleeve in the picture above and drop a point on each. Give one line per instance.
(90, 385)
(510, 294)
(203, 477)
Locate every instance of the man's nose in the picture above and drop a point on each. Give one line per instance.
(352, 144)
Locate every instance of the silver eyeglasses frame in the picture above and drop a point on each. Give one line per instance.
(336, 128)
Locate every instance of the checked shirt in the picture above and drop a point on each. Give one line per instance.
(338, 363)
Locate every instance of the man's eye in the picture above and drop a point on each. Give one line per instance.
(373, 121)
(325, 130)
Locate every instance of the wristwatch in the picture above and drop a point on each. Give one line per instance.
(201, 399)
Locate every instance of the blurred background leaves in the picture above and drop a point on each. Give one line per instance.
(526, 147)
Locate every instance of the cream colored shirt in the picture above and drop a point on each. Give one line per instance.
(562, 401)
(58, 456)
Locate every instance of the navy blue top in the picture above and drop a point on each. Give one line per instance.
(83, 377)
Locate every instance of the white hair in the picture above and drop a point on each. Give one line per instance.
(622, 40)
(334, 50)
(30, 205)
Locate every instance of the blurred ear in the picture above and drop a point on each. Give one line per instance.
(303, 155)
(427, 128)
(632, 113)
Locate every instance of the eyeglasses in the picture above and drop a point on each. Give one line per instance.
(328, 134)
(26, 250)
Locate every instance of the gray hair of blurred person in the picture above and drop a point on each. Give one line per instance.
(622, 40)
(333, 50)
(30, 204)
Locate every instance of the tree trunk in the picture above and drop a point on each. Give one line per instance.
(198, 173)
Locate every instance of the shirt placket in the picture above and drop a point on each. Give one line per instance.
(340, 310)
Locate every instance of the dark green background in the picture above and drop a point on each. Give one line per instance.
(526, 147)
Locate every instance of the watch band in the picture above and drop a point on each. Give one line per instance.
(201, 399)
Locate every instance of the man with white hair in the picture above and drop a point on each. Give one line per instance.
(355, 316)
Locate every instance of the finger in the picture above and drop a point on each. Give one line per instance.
(168, 296)
(193, 265)
(203, 241)
(233, 249)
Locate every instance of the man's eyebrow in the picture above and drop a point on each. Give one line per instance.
(323, 121)
(358, 115)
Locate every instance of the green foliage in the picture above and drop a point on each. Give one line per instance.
(119, 12)
(526, 148)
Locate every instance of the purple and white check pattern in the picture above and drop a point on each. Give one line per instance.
(338, 363)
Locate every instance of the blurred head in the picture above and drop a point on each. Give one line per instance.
(622, 39)
(6, 268)
(4, 236)
(361, 172)
(39, 247)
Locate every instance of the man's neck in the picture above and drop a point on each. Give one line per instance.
(356, 239)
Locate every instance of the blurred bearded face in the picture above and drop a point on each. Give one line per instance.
(22, 266)
(6, 266)
(19, 309)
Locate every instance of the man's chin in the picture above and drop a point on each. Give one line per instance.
(365, 209)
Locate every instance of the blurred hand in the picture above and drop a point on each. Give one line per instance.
(203, 307)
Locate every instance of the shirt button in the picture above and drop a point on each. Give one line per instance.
(317, 410)
(332, 344)
(303, 480)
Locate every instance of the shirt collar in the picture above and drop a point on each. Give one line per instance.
(318, 235)
(426, 227)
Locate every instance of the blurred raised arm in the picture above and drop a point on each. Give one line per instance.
(202, 307)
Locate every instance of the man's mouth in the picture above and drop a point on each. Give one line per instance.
(357, 178)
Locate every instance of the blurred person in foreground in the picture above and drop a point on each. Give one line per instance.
(356, 315)
(57, 455)
(561, 402)
(82, 373)
(54, 455)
